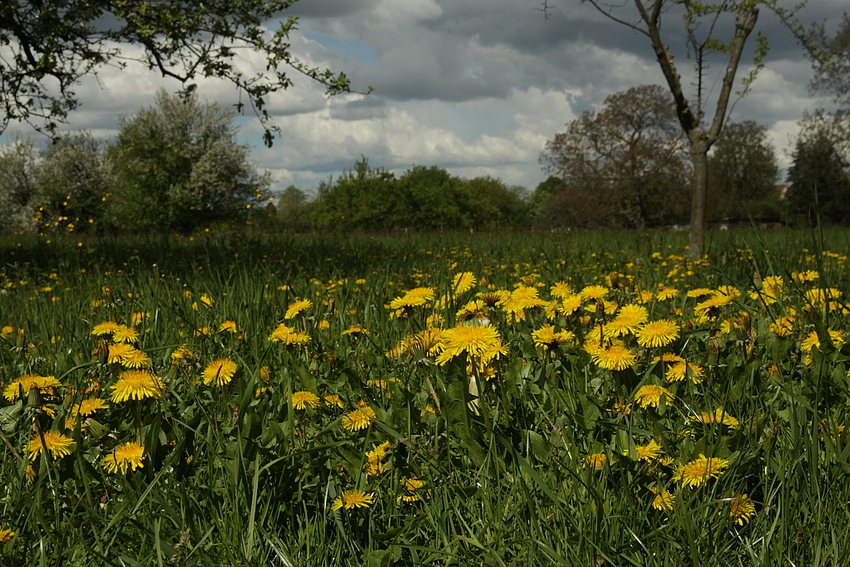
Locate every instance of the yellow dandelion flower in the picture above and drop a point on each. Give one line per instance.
(627, 321)
(701, 292)
(663, 500)
(44, 384)
(561, 290)
(118, 351)
(711, 307)
(289, 336)
(594, 292)
(220, 371)
(412, 485)
(571, 303)
(296, 308)
(359, 418)
(300, 400)
(782, 326)
(491, 298)
(700, 470)
(463, 282)
(228, 327)
(419, 343)
(181, 353)
(351, 499)
(680, 370)
(596, 460)
(474, 340)
(89, 406)
(806, 276)
(716, 416)
(741, 509)
(58, 444)
(139, 316)
(6, 535)
(105, 328)
(658, 333)
(355, 331)
(126, 456)
(134, 358)
(136, 385)
(124, 334)
(615, 357)
(472, 310)
(651, 395)
(664, 293)
(648, 452)
(548, 337)
(333, 400)
(812, 340)
(434, 320)
(413, 298)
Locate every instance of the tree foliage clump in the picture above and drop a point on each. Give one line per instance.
(178, 166)
(423, 198)
(46, 48)
(625, 165)
(819, 176)
(19, 164)
(832, 66)
(743, 172)
(73, 185)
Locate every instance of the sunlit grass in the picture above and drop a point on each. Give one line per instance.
(591, 399)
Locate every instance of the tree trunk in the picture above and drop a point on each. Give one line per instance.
(699, 156)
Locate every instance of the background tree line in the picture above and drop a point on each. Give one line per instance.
(174, 166)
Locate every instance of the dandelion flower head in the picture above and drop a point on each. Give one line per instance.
(351, 499)
(700, 470)
(296, 308)
(58, 444)
(651, 395)
(136, 385)
(126, 456)
(220, 371)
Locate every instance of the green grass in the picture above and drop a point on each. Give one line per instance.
(234, 475)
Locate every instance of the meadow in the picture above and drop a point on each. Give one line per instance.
(577, 399)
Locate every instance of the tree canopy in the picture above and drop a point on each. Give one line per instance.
(47, 47)
(743, 171)
(832, 65)
(819, 176)
(422, 198)
(178, 166)
(626, 164)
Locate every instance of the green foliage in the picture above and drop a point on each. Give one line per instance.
(743, 171)
(293, 211)
(74, 184)
(178, 167)
(53, 45)
(819, 176)
(626, 165)
(831, 60)
(19, 163)
(423, 198)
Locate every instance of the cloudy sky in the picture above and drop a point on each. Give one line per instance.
(474, 86)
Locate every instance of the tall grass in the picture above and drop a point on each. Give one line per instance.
(237, 475)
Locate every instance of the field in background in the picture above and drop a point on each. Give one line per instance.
(589, 398)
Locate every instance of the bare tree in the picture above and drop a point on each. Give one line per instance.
(720, 28)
